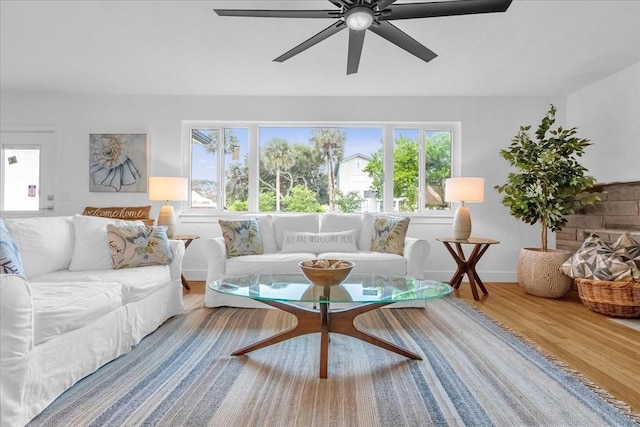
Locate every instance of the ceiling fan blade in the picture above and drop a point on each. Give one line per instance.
(382, 4)
(356, 40)
(278, 13)
(402, 40)
(326, 33)
(444, 8)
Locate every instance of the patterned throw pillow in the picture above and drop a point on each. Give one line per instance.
(389, 233)
(628, 250)
(10, 259)
(242, 237)
(597, 260)
(138, 246)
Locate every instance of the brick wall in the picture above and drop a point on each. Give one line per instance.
(617, 212)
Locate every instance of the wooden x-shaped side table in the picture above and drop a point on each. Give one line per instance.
(467, 265)
(187, 238)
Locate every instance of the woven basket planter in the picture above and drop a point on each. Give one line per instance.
(615, 299)
(539, 272)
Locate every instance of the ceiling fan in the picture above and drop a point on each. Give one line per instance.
(373, 15)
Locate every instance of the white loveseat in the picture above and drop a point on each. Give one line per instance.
(69, 315)
(279, 260)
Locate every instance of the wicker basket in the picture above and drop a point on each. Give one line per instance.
(615, 299)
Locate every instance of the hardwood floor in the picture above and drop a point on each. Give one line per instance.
(605, 352)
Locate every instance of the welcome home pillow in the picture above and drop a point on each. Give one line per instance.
(138, 246)
(242, 237)
(10, 259)
(336, 241)
(129, 213)
(389, 233)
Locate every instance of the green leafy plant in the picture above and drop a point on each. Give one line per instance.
(550, 182)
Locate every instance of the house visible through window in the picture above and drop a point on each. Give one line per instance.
(319, 168)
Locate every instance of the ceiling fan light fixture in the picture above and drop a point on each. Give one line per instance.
(359, 18)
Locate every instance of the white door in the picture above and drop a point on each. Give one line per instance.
(27, 172)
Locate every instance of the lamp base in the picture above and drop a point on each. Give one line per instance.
(462, 223)
(167, 218)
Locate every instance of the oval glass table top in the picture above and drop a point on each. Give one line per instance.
(364, 288)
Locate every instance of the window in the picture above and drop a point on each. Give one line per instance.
(318, 168)
(27, 172)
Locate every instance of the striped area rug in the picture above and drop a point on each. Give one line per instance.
(474, 373)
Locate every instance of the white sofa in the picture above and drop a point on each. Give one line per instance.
(274, 260)
(65, 319)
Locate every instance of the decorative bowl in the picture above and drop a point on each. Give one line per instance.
(323, 272)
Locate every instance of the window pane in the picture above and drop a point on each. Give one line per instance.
(405, 170)
(437, 166)
(307, 169)
(204, 168)
(21, 191)
(236, 166)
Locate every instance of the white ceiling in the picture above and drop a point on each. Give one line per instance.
(148, 47)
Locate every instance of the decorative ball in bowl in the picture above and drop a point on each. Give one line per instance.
(323, 272)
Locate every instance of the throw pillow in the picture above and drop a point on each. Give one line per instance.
(10, 259)
(389, 233)
(307, 223)
(582, 263)
(598, 261)
(265, 225)
(242, 237)
(338, 241)
(90, 252)
(131, 213)
(628, 250)
(138, 246)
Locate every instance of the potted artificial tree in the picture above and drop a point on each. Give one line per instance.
(550, 183)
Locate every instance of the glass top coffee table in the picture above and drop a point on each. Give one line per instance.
(311, 305)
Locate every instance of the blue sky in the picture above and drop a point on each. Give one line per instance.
(358, 140)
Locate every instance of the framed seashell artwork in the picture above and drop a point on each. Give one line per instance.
(118, 162)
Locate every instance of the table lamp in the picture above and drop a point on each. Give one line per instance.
(169, 189)
(463, 190)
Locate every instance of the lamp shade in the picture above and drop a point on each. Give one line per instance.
(464, 189)
(168, 188)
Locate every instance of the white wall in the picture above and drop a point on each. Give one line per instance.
(608, 113)
(488, 124)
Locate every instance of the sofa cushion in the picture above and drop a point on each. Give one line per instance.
(340, 222)
(60, 307)
(138, 246)
(341, 241)
(242, 237)
(10, 259)
(389, 233)
(46, 243)
(299, 222)
(372, 262)
(283, 263)
(91, 248)
(136, 283)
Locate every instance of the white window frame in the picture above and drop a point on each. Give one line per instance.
(45, 138)
(254, 162)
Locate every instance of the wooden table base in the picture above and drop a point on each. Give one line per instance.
(468, 266)
(325, 321)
